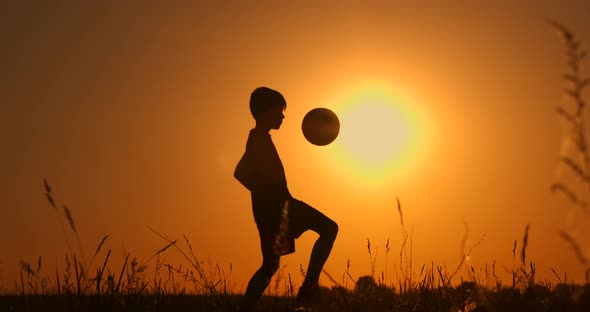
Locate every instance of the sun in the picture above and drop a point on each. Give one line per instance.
(380, 133)
(374, 132)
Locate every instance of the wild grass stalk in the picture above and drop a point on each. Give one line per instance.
(387, 249)
(100, 272)
(405, 262)
(102, 241)
(78, 289)
(574, 154)
(22, 283)
(52, 202)
(463, 259)
(57, 281)
(372, 258)
(122, 271)
(291, 287)
(514, 265)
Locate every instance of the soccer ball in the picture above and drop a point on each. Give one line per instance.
(320, 126)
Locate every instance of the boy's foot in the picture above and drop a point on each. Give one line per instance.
(309, 294)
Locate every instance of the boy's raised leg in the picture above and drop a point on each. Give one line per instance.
(327, 229)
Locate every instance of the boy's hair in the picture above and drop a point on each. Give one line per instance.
(263, 98)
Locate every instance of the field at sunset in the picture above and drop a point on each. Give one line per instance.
(457, 170)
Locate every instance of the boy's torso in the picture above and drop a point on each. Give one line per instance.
(268, 202)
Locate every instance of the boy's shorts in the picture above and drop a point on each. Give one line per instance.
(299, 218)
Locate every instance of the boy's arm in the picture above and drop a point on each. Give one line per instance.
(244, 173)
(253, 169)
(249, 171)
(249, 176)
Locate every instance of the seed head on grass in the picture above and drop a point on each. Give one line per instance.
(100, 244)
(189, 245)
(172, 243)
(399, 210)
(302, 271)
(348, 271)
(372, 258)
(514, 249)
(48, 193)
(166, 247)
(47, 186)
(26, 267)
(67, 276)
(402, 253)
(525, 241)
(39, 265)
(51, 200)
(70, 219)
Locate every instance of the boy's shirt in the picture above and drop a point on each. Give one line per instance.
(261, 171)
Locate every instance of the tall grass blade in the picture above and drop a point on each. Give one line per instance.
(57, 280)
(121, 274)
(99, 275)
(79, 290)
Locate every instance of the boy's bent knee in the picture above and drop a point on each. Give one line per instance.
(331, 230)
(335, 228)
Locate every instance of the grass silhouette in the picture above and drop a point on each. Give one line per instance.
(205, 286)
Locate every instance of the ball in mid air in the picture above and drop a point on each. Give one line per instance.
(320, 126)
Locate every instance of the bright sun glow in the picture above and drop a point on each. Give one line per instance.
(374, 132)
(379, 132)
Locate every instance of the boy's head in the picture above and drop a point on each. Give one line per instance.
(267, 106)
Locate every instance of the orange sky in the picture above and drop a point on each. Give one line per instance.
(138, 115)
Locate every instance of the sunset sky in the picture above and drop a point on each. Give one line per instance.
(138, 114)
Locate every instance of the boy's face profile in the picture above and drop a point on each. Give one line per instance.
(273, 117)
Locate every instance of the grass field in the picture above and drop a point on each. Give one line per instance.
(205, 286)
(466, 297)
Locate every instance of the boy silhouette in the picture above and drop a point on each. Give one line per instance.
(279, 217)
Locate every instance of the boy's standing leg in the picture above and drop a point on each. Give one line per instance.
(262, 277)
